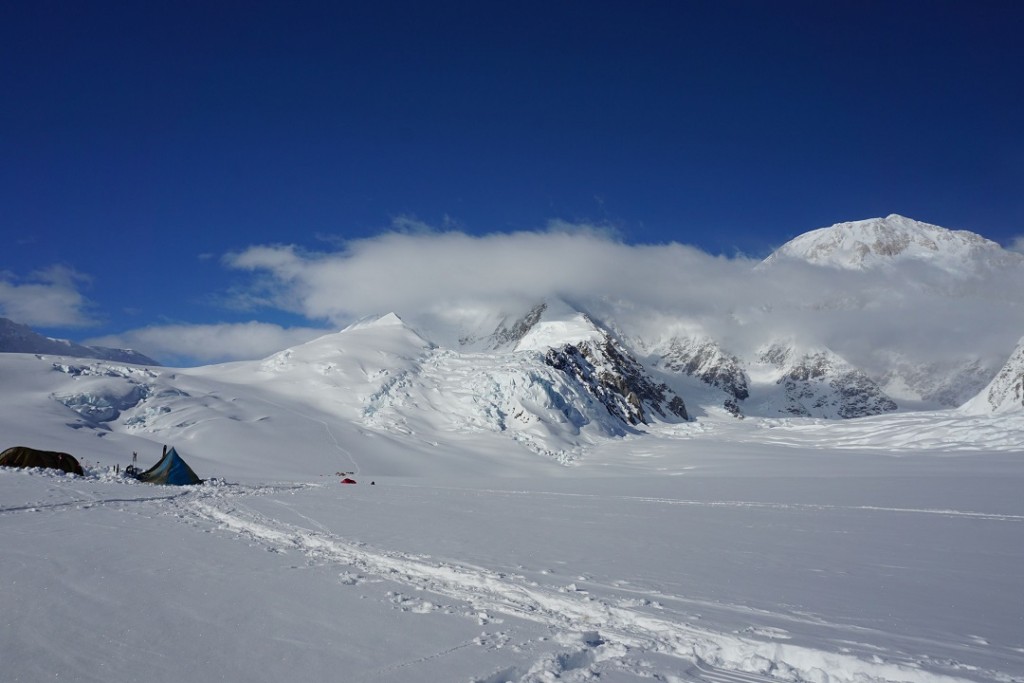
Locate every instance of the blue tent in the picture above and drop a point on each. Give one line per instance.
(170, 470)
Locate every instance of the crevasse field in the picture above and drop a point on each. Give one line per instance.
(888, 548)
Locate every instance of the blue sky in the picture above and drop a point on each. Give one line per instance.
(143, 146)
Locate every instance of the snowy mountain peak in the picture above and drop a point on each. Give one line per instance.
(549, 333)
(388, 326)
(881, 242)
(380, 337)
(386, 320)
(549, 324)
(592, 359)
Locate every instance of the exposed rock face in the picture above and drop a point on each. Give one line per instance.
(821, 384)
(705, 360)
(617, 380)
(588, 355)
(510, 335)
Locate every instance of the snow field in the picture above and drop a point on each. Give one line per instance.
(512, 534)
(623, 579)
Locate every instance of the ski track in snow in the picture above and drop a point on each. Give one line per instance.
(485, 591)
(597, 631)
(758, 504)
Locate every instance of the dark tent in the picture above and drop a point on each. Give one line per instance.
(23, 456)
(170, 470)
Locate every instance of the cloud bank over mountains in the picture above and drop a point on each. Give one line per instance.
(453, 283)
(458, 281)
(452, 273)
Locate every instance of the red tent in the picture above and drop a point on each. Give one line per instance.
(346, 480)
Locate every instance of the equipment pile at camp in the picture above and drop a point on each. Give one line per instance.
(23, 456)
(170, 470)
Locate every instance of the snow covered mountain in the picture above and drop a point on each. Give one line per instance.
(561, 384)
(913, 276)
(16, 338)
(556, 374)
(819, 384)
(779, 378)
(1005, 393)
(889, 241)
(566, 384)
(552, 381)
(578, 347)
(703, 359)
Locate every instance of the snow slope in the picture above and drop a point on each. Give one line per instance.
(791, 549)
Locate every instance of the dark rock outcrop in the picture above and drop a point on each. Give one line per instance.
(617, 380)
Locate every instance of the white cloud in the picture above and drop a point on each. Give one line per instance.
(458, 278)
(1017, 244)
(47, 298)
(423, 271)
(187, 344)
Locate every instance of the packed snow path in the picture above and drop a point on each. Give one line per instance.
(502, 600)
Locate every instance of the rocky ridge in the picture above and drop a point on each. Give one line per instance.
(17, 338)
(821, 384)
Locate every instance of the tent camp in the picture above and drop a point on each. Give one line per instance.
(170, 470)
(23, 456)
